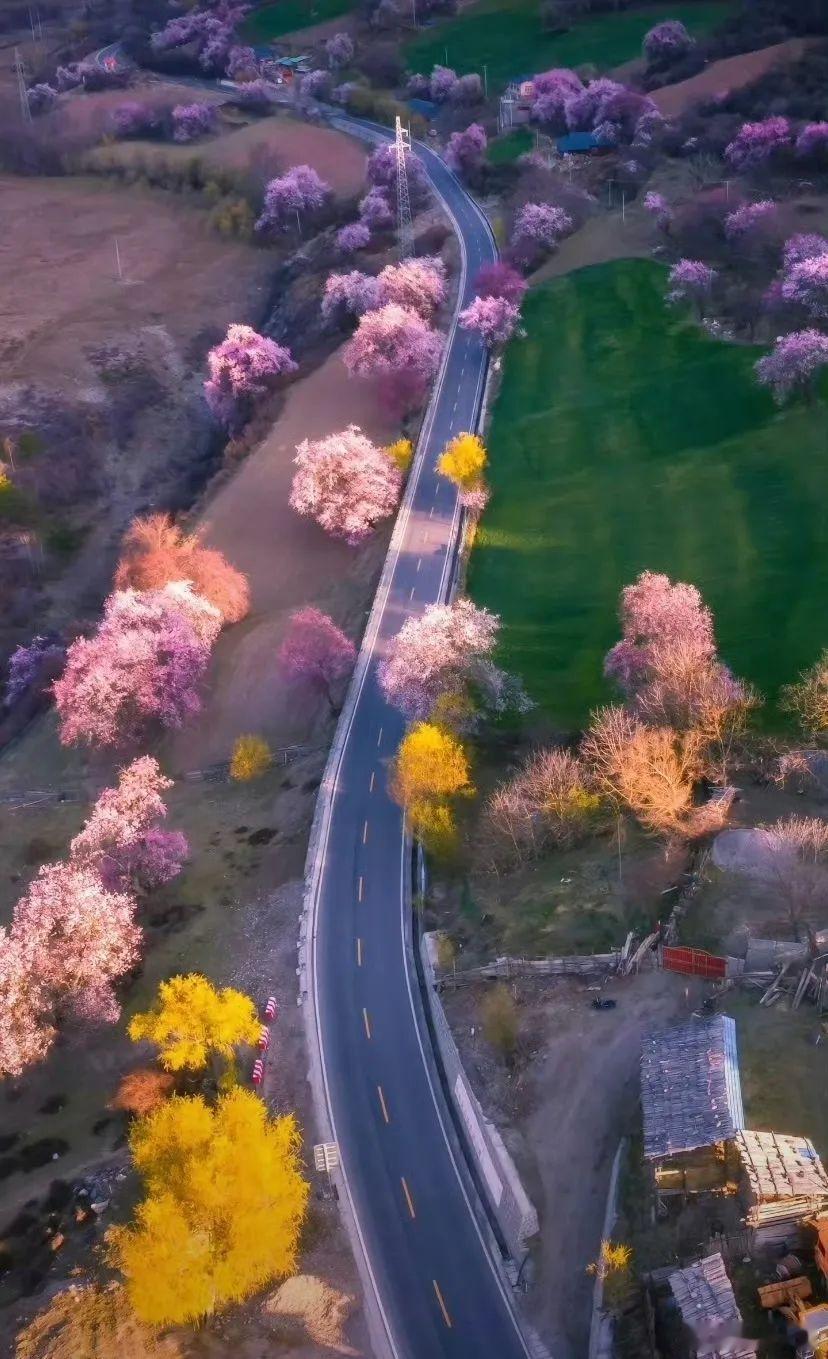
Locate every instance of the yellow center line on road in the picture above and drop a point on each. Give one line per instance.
(443, 1308)
(383, 1104)
(408, 1197)
(366, 1022)
(359, 953)
(359, 888)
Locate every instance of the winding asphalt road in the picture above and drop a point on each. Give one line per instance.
(438, 1290)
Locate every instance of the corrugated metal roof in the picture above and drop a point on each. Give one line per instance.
(691, 1095)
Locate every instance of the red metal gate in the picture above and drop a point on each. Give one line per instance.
(693, 962)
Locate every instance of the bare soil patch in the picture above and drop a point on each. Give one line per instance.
(602, 238)
(731, 73)
(562, 1108)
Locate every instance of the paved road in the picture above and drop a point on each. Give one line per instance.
(438, 1290)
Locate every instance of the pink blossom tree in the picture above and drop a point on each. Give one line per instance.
(77, 938)
(255, 95)
(26, 1033)
(806, 283)
(805, 246)
(656, 612)
(551, 90)
(466, 151)
(191, 121)
(315, 85)
(292, 196)
(352, 294)
(122, 839)
(316, 653)
(658, 207)
(242, 64)
(352, 237)
(812, 142)
(445, 654)
(442, 84)
(756, 143)
(417, 284)
(345, 483)
(339, 50)
(40, 659)
(399, 349)
(135, 118)
(537, 229)
(492, 318)
(749, 218)
(381, 172)
(500, 280)
(243, 368)
(590, 105)
(667, 42)
(794, 363)
(691, 281)
(375, 211)
(143, 667)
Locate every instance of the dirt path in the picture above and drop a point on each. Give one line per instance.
(289, 562)
(730, 74)
(601, 238)
(562, 1115)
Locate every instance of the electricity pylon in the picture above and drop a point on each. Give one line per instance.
(402, 147)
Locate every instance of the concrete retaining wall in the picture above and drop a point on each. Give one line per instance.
(509, 1201)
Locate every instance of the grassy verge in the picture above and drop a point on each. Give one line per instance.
(507, 148)
(506, 36)
(284, 16)
(626, 438)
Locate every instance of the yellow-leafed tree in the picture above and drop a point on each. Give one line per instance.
(431, 768)
(225, 1200)
(192, 1022)
(401, 454)
(464, 462)
(251, 758)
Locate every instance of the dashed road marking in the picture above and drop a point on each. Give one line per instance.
(365, 833)
(360, 887)
(384, 1106)
(359, 953)
(443, 1308)
(371, 784)
(366, 1021)
(411, 593)
(379, 738)
(408, 1197)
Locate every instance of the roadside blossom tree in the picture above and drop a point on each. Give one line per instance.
(492, 318)
(806, 283)
(399, 349)
(345, 483)
(658, 207)
(243, 368)
(242, 64)
(416, 284)
(315, 84)
(499, 279)
(291, 197)
(537, 229)
(353, 294)
(756, 143)
(794, 364)
(142, 668)
(316, 653)
(667, 42)
(691, 281)
(440, 661)
(191, 121)
(442, 84)
(748, 218)
(466, 150)
(812, 142)
(375, 211)
(804, 246)
(123, 839)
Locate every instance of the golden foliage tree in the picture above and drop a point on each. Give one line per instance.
(193, 1022)
(464, 461)
(142, 1091)
(224, 1205)
(431, 768)
(251, 758)
(401, 453)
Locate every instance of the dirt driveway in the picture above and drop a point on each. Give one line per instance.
(562, 1113)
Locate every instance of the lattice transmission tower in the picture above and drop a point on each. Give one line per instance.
(402, 147)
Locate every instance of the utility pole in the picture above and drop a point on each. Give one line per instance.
(486, 81)
(25, 111)
(402, 146)
(414, 11)
(118, 262)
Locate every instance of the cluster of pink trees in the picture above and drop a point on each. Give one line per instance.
(291, 197)
(345, 483)
(339, 50)
(316, 654)
(243, 368)
(794, 363)
(418, 285)
(797, 359)
(563, 103)
(756, 144)
(494, 319)
(73, 934)
(211, 30)
(466, 150)
(443, 659)
(398, 349)
(350, 294)
(445, 86)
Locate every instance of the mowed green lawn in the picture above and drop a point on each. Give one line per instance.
(506, 36)
(625, 438)
(283, 16)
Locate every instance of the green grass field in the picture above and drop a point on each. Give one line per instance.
(283, 16)
(506, 36)
(625, 438)
(507, 148)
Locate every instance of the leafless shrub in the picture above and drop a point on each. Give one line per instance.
(548, 803)
(652, 770)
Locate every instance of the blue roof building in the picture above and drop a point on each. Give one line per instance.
(579, 142)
